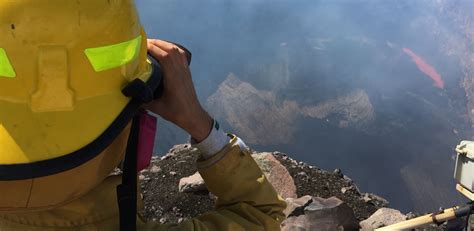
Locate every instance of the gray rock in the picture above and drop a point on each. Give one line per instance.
(321, 214)
(180, 149)
(347, 189)
(348, 179)
(165, 157)
(212, 196)
(193, 183)
(303, 174)
(411, 215)
(276, 174)
(292, 204)
(338, 172)
(375, 200)
(155, 169)
(381, 218)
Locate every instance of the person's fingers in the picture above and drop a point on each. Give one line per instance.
(184, 58)
(165, 61)
(174, 64)
(167, 46)
(164, 58)
(160, 43)
(157, 52)
(170, 48)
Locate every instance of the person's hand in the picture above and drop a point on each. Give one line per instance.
(179, 103)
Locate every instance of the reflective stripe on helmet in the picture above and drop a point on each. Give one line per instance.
(112, 56)
(6, 69)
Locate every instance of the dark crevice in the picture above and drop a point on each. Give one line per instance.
(300, 210)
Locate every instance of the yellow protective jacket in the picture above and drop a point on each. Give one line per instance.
(246, 201)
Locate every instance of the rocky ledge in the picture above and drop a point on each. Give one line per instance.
(173, 190)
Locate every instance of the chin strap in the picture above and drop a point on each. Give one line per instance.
(127, 191)
(140, 93)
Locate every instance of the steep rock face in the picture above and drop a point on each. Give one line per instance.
(263, 119)
(254, 114)
(463, 17)
(457, 41)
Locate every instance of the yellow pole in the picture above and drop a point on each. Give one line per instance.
(447, 214)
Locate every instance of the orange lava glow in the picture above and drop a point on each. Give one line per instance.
(425, 68)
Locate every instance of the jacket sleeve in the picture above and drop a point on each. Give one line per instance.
(246, 200)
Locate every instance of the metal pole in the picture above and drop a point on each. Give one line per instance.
(445, 215)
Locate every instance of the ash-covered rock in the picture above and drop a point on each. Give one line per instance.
(277, 174)
(191, 184)
(310, 180)
(381, 218)
(163, 201)
(321, 214)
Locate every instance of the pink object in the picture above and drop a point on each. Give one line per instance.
(146, 140)
(424, 67)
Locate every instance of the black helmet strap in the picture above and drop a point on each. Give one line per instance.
(140, 92)
(127, 191)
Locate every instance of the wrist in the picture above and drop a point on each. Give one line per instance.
(200, 126)
(213, 143)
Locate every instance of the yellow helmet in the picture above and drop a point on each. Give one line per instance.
(63, 65)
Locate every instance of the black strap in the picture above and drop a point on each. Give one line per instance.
(127, 191)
